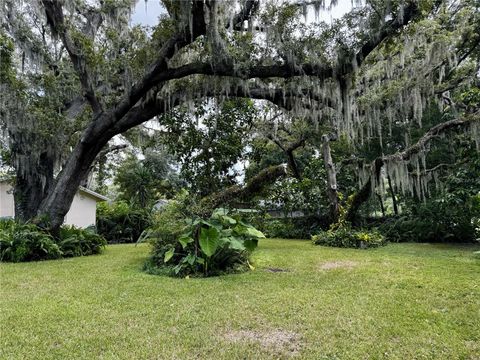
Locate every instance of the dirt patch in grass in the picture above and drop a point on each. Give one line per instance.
(338, 265)
(284, 343)
(276, 270)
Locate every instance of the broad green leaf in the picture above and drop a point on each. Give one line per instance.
(226, 233)
(184, 240)
(190, 258)
(208, 223)
(229, 220)
(177, 268)
(251, 231)
(209, 240)
(169, 255)
(219, 212)
(211, 223)
(236, 244)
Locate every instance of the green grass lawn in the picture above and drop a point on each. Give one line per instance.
(402, 301)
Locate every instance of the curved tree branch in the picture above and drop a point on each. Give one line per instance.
(55, 18)
(253, 187)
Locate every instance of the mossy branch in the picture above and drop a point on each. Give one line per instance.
(253, 187)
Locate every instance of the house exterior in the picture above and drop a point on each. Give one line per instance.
(82, 213)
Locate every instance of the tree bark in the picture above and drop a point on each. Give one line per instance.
(33, 171)
(292, 163)
(392, 194)
(32, 186)
(106, 124)
(234, 193)
(358, 200)
(382, 207)
(331, 177)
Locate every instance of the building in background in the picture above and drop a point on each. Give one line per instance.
(82, 213)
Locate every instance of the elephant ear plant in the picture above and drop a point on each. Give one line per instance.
(203, 247)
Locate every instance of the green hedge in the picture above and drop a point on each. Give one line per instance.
(347, 237)
(27, 242)
(121, 223)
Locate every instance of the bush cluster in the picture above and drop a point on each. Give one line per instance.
(80, 242)
(292, 228)
(199, 247)
(27, 242)
(347, 237)
(121, 223)
(444, 219)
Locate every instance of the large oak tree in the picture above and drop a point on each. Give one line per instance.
(78, 75)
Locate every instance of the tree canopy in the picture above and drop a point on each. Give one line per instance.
(75, 75)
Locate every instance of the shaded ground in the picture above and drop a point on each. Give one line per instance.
(402, 301)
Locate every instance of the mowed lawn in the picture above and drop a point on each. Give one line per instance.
(402, 301)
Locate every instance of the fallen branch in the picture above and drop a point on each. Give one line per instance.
(253, 187)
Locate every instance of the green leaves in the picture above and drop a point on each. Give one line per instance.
(250, 244)
(235, 243)
(184, 240)
(168, 255)
(209, 240)
(251, 231)
(206, 246)
(243, 229)
(27, 242)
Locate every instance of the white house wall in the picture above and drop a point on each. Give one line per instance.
(7, 208)
(82, 213)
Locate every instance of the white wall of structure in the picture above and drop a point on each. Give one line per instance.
(82, 213)
(7, 208)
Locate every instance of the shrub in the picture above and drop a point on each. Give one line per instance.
(198, 246)
(28, 242)
(80, 242)
(282, 228)
(167, 226)
(445, 219)
(292, 228)
(121, 223)
(347, 237)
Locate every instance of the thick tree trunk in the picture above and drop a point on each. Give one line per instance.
(292, 164)
(364, 193)
(358, 200)
(106, 124)
(392, 193)
(56, 205)
(33, 171)
(331, 177)
(382, 207)
(32, 184)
